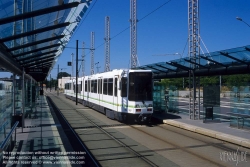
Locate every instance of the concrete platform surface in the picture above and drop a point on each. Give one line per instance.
(220, 130)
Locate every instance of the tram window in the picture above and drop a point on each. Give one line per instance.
(99, 86)
(81, 86)
(95, 86)
(85, 86)
(110, 86)
(124, 87)
(88, 85)
(105, 86)
(115, 86)
(140, 86)
(92, 86)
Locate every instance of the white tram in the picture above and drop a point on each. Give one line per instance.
(110, 94)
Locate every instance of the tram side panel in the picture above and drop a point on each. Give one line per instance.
(107, 93)
(99, 93)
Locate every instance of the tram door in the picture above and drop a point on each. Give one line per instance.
(115, 101)
(82, 89)
(99, 91)
(124, 94)
(88, 90)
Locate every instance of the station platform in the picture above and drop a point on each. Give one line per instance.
(41, 140)
(44, 135)
(217, 129)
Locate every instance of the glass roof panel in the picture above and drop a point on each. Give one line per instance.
(39, 17)
(230, 61)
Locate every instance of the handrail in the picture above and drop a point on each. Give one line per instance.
(239, 114)
(3, 144)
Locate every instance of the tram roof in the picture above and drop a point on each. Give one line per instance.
(224, 62)
(33, 34)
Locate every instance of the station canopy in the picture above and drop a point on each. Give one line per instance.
(33, 33)
(224, 62)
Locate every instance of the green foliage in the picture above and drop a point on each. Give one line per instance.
(236, 80)
(176, 82)
(63, 74)
(52, 83)
(226, 80)
(213, 80)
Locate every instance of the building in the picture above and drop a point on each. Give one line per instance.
(61, 82)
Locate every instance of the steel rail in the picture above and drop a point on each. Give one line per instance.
(72, 130)
(120, 142)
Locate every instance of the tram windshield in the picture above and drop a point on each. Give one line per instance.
(140, 86)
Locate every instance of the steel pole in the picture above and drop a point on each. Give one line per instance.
(76, 70)
(50, 83)
(58, 81)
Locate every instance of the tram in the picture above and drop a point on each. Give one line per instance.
(124, 95)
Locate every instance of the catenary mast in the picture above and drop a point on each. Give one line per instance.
(92, 52)
(107, 44)
(194, 52)
(83, 59)
(133, 34)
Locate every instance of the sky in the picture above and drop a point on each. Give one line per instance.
(162, 28)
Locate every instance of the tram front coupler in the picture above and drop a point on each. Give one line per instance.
(144, 118)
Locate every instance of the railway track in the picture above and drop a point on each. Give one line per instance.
(204, 148)
(115, 144)
(108, 147)
(76, 142)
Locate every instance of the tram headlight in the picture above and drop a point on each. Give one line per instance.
(138, 110)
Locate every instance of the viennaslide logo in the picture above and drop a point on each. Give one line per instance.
(234, 156)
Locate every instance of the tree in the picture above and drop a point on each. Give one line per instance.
(211, 80)
(63, 74)
(176, 82)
